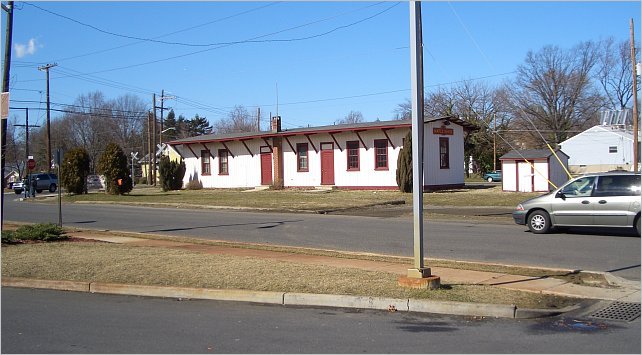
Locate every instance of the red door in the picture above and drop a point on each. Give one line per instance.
(327, 164)
(266, 168)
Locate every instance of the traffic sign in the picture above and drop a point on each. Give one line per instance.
(31, 164)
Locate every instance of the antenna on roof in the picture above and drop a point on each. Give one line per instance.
(277, 98)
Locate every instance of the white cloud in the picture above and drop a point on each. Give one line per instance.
(26, 49)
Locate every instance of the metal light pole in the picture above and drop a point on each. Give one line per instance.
(419, 276)
(5, 93)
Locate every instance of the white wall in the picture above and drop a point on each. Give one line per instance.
(591, 147)
(433, 174)
(509, 175)
(366, 176)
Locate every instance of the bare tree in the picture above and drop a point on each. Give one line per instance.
(352, 117)
(128, 114)
(237, 120)
(614, 72)
(553, 91)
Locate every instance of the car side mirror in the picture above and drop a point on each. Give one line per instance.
(561, 195)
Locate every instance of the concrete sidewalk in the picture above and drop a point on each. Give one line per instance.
(618, 289)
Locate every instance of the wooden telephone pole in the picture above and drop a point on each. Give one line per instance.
(46, 69)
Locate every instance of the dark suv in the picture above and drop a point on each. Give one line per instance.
(44, 181)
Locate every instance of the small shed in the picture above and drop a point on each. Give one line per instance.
(533, 170)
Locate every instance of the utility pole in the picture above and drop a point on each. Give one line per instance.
(162, 100)
(494, 142)
(258, 119)
(152, 152)
(636, 156)
(26, 126)
(46, 69)
(149, 148)
(5, 93)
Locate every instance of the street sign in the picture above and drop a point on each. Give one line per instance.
(31, 164)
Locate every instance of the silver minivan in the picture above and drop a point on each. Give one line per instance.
(593, 200)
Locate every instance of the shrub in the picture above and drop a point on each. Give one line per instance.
(47, 232)
(171, 173)
(75, 169)
(404, 165)
(8, 237)
(113, 164)
(194, 185)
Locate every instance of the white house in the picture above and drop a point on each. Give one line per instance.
(533, 170)
(350, 156)
(600, 148)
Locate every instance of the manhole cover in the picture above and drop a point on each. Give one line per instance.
(619, 311)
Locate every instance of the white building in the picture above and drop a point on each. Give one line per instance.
(535, 170)
(351, 156)
(600, 148)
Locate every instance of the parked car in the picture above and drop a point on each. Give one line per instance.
(493, 176)
(593, 200)
(44, 181)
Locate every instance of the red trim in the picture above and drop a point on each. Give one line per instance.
(227, 160)
(335, 140)
(298, 169)
(312, 144)
(228, 149)
(348, 156)
(517, 175)
(375, 155)
(361, 139)
(190, 149)
(209, 163)
(246, 147)
(386, 134)
(290, 144)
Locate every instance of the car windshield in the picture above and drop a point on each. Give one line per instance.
(580, 187)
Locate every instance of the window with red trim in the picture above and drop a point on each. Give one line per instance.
(205, 162)
(352, 151)
(223, 163)
(302, 157)
(381, 154)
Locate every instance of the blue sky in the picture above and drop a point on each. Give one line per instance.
(356, 55)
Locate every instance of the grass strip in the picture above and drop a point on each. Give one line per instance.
(103, 262)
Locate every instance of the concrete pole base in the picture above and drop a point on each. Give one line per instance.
(427, 283)
(420, 278)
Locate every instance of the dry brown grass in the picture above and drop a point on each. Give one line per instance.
(101, 262)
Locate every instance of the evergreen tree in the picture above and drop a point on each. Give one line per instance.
(404, 165)
(74, 170)
(171, 173)
(170, 122)
(113, 164)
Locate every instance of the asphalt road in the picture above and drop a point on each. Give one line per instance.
(46, 321)
(614, 251)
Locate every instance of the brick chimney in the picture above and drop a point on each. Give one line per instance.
(276, 124)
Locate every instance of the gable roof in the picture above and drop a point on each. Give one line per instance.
(321, 129)
(530, 154)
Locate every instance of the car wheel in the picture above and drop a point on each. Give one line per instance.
(539, 222)
(52, 188)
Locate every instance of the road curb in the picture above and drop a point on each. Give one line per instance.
(291, 299)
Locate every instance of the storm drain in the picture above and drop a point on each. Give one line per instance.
(619, 311)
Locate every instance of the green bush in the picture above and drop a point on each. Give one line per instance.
(8, 237)
(46, 232)
(171, 173)
(113, 164)
(75, 169)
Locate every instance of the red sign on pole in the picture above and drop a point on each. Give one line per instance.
(31, 164)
